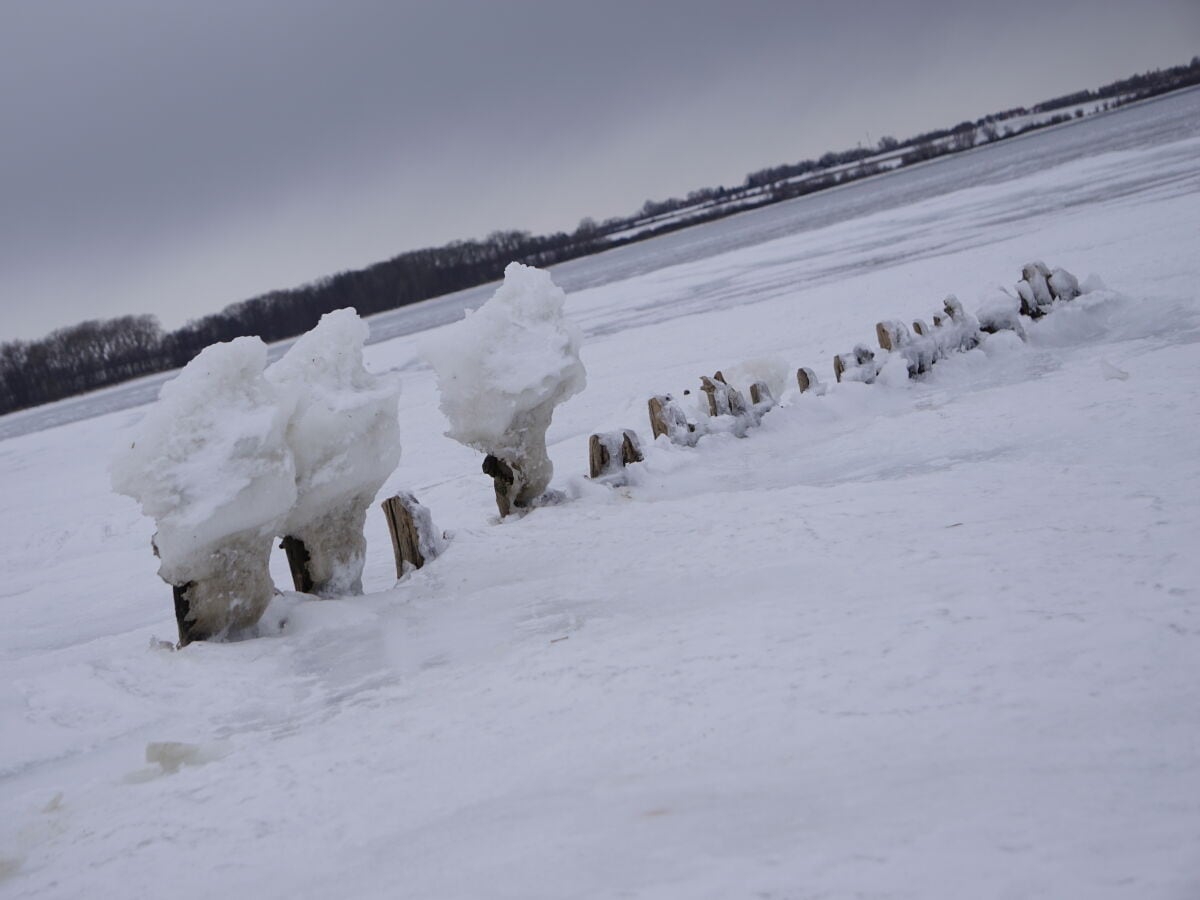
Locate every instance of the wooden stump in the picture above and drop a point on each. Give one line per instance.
(921, 328)
(503, 480)
(857, 365)
(406, 520)
(612, 451)
(298, 559)
(807, 379)
(887, 336)
(187, 633)
(722, 399)
(760, 395)
(667, 418)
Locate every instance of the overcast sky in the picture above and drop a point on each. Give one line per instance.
(173, 157)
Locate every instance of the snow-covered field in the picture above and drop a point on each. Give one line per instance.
(929, 639)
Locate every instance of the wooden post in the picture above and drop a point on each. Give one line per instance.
(709, 386)
(760, 393)
(722, 399)
(503, 480)
(884, 335)
(611, 451)
(598, 457)
(406, 536)
(631, 448)
(921, 328)
(182, 613)
(807, 378)
(860, 357)
(658, 419)
(667, 418)
(298, 559)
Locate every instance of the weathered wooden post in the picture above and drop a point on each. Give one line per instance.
(807, 379)
(722, 399)
(667, 418)
(919, 353)
(857, 365)
(612, 451)
(760, 396)
(414, 539)
(298, 562)
(503, 480)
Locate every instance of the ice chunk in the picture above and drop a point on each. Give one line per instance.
(210, 464)
(345, 436)
(503, 369)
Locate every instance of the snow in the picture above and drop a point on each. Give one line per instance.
(345, 437)
(931, 637)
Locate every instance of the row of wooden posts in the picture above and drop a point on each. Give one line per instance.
(409, 524)
(953, 331)
(414, 540)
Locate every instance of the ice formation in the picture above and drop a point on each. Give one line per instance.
(211, 465)
(345, 438)
(501, 371)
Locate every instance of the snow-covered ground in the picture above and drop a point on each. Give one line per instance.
(930, 639)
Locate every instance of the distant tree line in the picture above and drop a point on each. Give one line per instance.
(1136, 87)
(96, 354)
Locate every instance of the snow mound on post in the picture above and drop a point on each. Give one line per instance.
(345, 432)
(210, 461)
(506, 359)
(345, 436)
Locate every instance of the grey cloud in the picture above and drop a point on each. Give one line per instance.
(174, 157)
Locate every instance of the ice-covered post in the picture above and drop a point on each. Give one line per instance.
(501, 371)
(345, 437)
(210, 464)
(612, 451)
(414, 539)
(807, 380)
